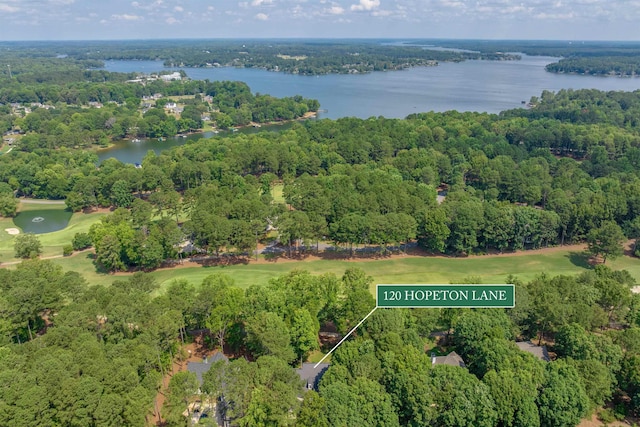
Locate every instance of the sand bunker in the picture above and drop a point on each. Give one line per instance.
(12, 231)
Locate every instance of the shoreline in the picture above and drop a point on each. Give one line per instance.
(307, 116)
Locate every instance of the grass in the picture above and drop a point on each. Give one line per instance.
(277, 193)
(392, 271)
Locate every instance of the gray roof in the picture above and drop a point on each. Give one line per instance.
(199, 368)
(452, 359)
(538, 351)
(310, 375)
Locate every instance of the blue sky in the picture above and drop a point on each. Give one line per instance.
(492, 19)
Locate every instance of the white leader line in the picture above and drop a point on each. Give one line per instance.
(346, 336)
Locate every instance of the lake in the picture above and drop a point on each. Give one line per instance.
(484, 86)
(487, 86)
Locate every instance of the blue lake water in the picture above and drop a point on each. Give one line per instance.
(483, 86)
(486, 86)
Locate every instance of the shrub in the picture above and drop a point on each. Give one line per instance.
(67, 250)
(81, 241)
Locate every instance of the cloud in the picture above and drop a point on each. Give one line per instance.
(171, 20)
(335, 10)
(262, 16)
(261, 2)
(126, 17)
(366, 5)
(150, 6)
(179, 9)
(8, 8)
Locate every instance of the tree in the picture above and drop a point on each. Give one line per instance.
(313, 411)
(433, 231)
(81, 241)
(121, 193)
(606, 241)
(227, 310)
(27, 246)
(267, 334)
(365, 403)
(562, 402)
(304, 333)
(8, 205)
(182, 387)
(461, 399)
(109, 253)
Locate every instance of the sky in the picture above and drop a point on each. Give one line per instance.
(167, 19)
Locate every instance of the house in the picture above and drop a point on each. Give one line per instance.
(200, 368)
(538, 351)
(452, 359)
(169, 77)
(171, 105)
(312, 375)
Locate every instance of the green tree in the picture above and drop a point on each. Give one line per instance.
(183, 386)
(267, 334)
(304, 333)
(8, 205)
(121, 193)
(81, 241)
(27, 245)
(313, 411)
(606, 241)
(562, 401)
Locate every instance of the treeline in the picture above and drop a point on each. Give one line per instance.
(598, 66)
(601, 58)
(71, 124)
(307, 58)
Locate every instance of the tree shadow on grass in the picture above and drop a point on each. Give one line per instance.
(580, 259)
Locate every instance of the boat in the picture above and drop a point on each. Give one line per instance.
(161, 139)
(135, 140)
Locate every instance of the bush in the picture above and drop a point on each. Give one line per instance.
(606, 416)
(67, 250)
(81, 241)
(27, 246)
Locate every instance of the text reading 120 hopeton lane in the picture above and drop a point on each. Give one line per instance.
(445, 296)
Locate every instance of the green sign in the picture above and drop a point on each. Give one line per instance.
(445, 296)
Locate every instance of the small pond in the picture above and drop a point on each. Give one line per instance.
(39, 221)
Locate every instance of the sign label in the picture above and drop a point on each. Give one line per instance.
(445, 296)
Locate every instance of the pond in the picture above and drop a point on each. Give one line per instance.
(45, 220)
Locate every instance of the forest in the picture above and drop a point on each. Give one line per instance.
(73, 353)
(76, 354)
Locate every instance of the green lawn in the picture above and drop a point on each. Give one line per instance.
(276, 193)
(398, 270)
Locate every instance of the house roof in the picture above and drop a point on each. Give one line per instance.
(200, 368)
(538, 351)
(310, 375)
(452, 359)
